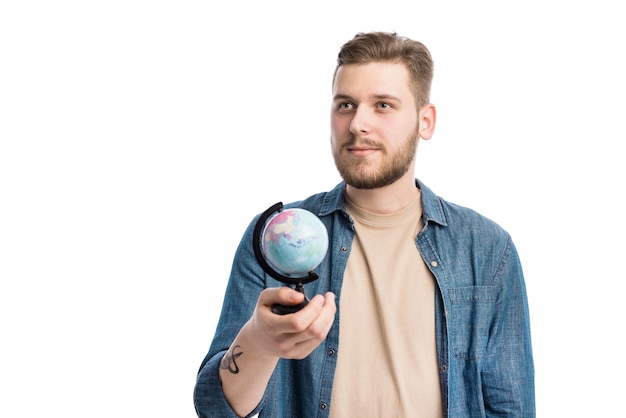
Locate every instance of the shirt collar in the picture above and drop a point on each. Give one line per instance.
(432, 207)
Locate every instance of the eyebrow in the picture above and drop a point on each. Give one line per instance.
(340, 96)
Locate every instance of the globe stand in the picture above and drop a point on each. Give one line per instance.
(297, 281)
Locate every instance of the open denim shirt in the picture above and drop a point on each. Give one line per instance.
(481, 317)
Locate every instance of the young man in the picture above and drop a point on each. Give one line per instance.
(420, 308)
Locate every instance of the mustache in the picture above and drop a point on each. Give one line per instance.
(354, 141)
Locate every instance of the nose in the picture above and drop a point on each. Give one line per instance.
(360, 124)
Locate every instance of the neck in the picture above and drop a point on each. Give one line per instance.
(389, 199)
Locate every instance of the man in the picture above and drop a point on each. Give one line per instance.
(420, 308)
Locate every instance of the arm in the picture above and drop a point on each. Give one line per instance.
(508, 373)
(250, 361)
(245, 316)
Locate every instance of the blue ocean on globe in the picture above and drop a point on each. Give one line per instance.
(294, 242)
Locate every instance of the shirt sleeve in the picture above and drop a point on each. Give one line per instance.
(246, 282)
(508, 372)
(208, 396)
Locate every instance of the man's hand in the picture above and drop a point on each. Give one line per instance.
(292, 336)
(250, 361)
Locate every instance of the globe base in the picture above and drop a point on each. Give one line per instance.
(289, 309)
(285, 309)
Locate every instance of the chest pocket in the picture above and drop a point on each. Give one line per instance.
(471, 320)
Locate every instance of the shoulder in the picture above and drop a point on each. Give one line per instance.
(464, 218)
(458, 221)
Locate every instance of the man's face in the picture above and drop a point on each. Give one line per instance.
(374, 124)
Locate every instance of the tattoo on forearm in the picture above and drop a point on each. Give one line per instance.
(229, 362)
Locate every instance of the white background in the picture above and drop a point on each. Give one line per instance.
(138, 139)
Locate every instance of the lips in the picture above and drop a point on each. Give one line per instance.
(361, 151)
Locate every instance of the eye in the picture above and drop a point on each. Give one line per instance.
(384, 105)
(343, 106)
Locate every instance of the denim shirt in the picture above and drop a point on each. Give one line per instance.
(481, 317)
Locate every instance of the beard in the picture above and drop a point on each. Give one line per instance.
(363, 174)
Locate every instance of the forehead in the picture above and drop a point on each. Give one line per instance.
(373, 78)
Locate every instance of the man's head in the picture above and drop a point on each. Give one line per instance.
(370, 47)
(380, 109)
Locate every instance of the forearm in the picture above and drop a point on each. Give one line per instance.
(244, 372)
(508, 374)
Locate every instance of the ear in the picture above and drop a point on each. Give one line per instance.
(427, 120)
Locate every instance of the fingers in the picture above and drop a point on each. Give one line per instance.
(310, 326)
(295, 335)
(318, 319)
(280, 295)
(317, 316)
(320, 326)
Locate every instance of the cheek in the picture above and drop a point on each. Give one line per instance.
(334, 133)
(339, 125)
(401, 128)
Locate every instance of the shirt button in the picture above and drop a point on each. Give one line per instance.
(444, 368)
(331, 352)
(323, 406)
(434, 263)
(344, 249)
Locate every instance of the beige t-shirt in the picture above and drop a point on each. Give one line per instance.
(387, 361)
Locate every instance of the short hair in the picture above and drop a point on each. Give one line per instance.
(370, 47)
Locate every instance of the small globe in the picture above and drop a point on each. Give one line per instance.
(294, 242)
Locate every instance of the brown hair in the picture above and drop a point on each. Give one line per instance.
(390, 47)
